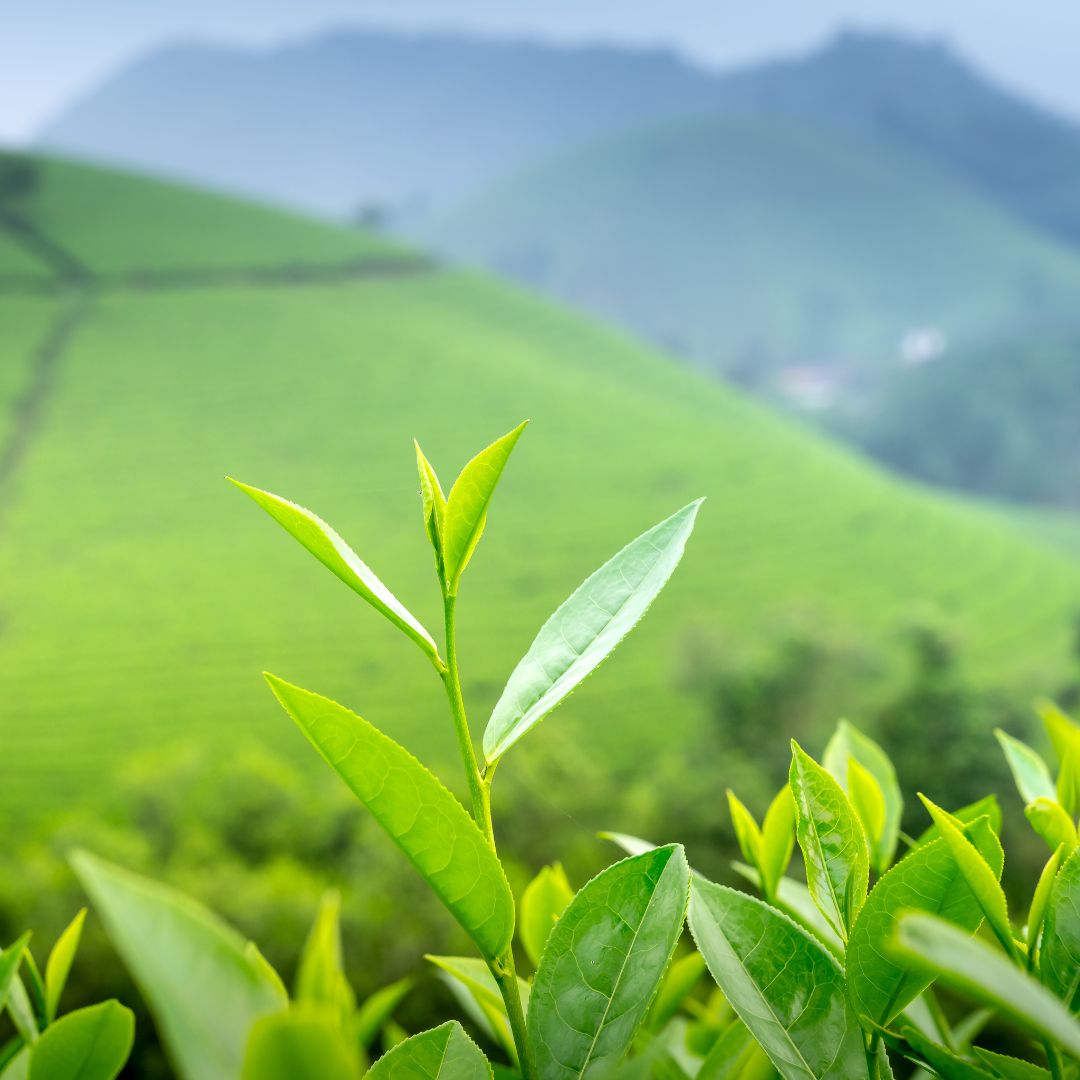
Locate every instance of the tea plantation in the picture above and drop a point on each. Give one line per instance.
(140, 595)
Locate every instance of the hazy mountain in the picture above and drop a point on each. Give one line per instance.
(926, 98)
(805, 262)
(354, 118)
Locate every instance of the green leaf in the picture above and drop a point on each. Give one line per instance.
(987, 807)
(1051, 822)
(1063, 732)
(545, 898)
(777, 839)
(377, 1009)
(10, 959)
(474, 977)
(1011, 1068)
(1029, 771)
(428, 823)
(88, 1044)
(433, 503)
(320, 978)
(444, 1053)
(679, 982)
(18, 1068)
(604, 962)
(729, 1053)
(849, 742)
(943, 1061)
(794, 900)
(336, 555)
(1059, 957)
(201, 980)
(747, 833)
(59, 963)
(926, 879)
(1041, 897)
(1068, 782)
(940, 950)
(868, 802)
(982, 881)
(467, 505)
(784, 986)
(299, 1045)
(586, 628)
(832, 841)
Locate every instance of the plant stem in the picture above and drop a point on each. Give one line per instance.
(1053, 1057)
(478, 790)
(506, 977)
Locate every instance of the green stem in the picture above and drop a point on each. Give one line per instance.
(1053, 1057)
(506, 977)
(478, 790)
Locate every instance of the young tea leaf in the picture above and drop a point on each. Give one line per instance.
(679, 982)
(987, 807)
(943, 1061)
(1041, 897)
(1010, 1068)
(1050, 821)
(197, 974)
(320, 978)
(377, 1009)
(59, 963)
(786, 988)
(982, 881)
(424, 819)
(1068, 782)
(604, 962)
(868, 802)
(88, 1044)
(1059, 957)
(927, 879)
(586, 629)
(777, 839)
(433, 503)
(1029, 771)
(1064, 733)
(728, 1056)
(832, 841)
(474, 978)
(444, 1053)
(849, 742)
(332, 551)
(794, 900)
(300, 1045)
(10, 959)
(467, 505)
(747, 834)
(938, 949)
(545, 898)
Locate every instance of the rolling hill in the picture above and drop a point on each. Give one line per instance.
(356, 117)
(141, 596)
(767, 249)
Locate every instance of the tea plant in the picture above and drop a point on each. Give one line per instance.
(831, 977)
(91, 1043)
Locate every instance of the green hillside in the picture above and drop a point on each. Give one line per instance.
(755, 244)
(141, 596)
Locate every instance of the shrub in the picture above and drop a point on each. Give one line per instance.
(832, 977)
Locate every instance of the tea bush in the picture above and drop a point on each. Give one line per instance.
(834, 976)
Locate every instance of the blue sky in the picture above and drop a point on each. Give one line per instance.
(52, 49)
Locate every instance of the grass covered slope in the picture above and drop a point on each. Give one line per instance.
(757, 243)
(112, 221)
(142, 595)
